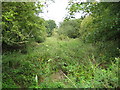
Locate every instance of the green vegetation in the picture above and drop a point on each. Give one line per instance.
(50, 25)
(20, 22)
(101, 22)
(70, 28)
(76, 60)
(81, 53)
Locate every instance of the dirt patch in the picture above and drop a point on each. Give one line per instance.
(57, 76)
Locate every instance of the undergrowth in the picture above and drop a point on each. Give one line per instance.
(81, 64)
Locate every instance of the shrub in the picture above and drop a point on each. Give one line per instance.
(70, 28)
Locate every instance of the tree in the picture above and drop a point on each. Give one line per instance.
(105, 20)
(70, 28)
(20, 22)
(100, 26)
(50, 25)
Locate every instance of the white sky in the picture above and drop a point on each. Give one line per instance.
(56, 11)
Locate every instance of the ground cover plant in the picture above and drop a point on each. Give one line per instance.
(59, 64)
(80, 53)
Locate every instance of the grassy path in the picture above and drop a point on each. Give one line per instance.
(62, 55)
(67, 63)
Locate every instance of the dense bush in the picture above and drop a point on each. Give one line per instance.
(100, 26)
(101, 22)
(50, 25)
(19, 70)
(70, 28)
(16, 71)
(63, 37)
(20, 22)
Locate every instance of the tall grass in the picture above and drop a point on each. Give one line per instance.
(78, 61)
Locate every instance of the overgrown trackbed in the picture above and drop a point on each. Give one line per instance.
(62, 57)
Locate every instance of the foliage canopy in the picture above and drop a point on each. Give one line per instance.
(20, 22)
